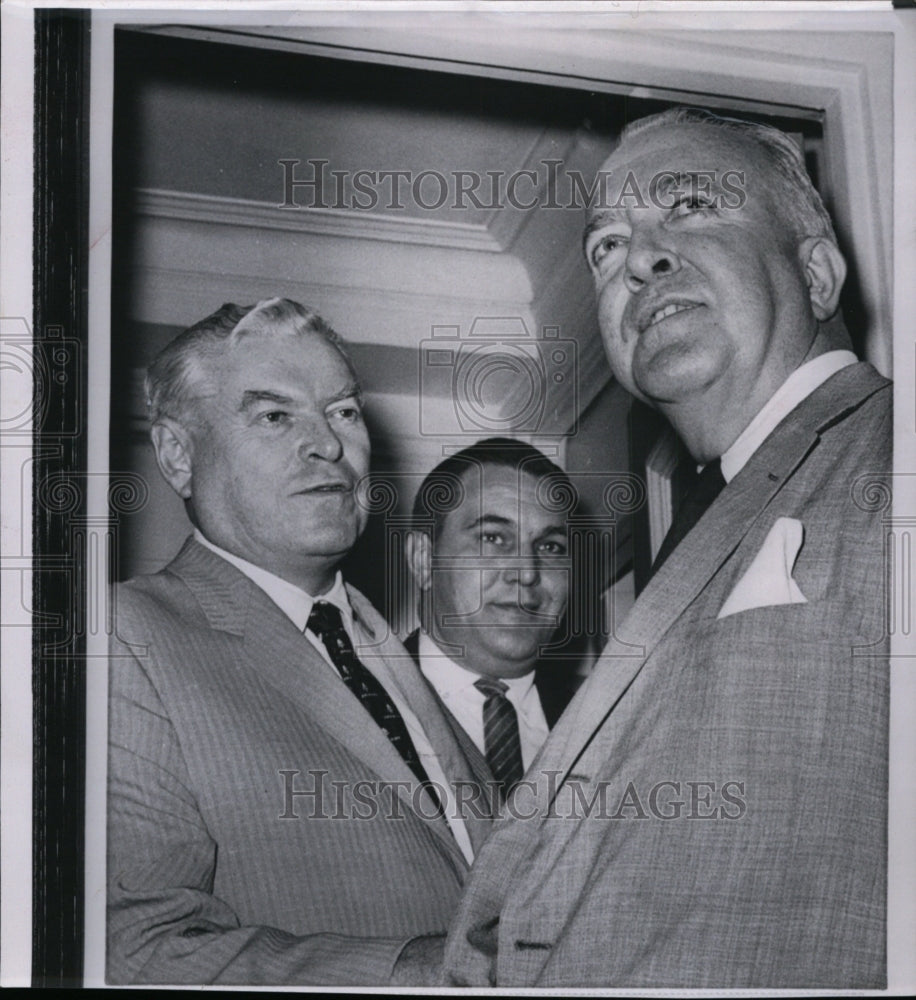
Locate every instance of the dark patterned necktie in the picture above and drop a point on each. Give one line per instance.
(502, 743)
(706, 487)
(326, 623)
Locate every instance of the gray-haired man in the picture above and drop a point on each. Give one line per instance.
(711, 809)
(287, 804)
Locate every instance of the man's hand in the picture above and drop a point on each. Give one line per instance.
(420, 963)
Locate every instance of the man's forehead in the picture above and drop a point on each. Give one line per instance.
(500, 490)
(680, 147)
(643, 171)
(291, 357)
(282, 368)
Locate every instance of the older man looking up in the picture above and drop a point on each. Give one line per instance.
(712, 811)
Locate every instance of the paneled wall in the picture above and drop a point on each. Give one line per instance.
(236, 179)
(208, 214)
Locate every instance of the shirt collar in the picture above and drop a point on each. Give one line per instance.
(450, 678)
(293, 601)
(797, 387)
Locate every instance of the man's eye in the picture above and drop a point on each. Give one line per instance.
(553, 548)
(692, 203)
(493, 538)
(349, 414)
(274, 417)
(603, 248)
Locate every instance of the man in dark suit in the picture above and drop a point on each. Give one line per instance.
(711, 809)
(286, 799)
(491, 560)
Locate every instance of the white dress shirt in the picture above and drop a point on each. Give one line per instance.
(455, 686)
(796, 388)
(296, 604)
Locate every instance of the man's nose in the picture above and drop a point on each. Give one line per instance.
(319, 441)
(648, 258)
(524, 571)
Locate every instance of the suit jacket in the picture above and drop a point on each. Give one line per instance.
(554, 685)
(741, 838)
(252, 835)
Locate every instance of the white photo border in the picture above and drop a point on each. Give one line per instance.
(409, 34)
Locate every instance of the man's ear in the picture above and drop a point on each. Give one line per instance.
(825, 272)
(418, 550)
(174, 454)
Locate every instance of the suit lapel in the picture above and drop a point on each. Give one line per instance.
(472, 752)
(285, 658)
(461, 761)
(700, 555)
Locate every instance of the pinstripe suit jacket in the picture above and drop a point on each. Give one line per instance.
(241, 846)
(778, 879)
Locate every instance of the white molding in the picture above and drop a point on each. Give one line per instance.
(193, 255)
(179, 296)
(242, 212)
(800, 71)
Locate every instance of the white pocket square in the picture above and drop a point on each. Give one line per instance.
(768, 580)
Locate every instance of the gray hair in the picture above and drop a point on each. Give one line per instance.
(179, 369)
(803, 209)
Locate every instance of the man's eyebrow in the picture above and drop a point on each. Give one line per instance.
(251, 397)
(670, 180)
(499, 519)
(491, 519)
(686, 181)
(348, 392)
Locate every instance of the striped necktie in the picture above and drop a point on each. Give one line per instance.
(325, 621)
(502, 744)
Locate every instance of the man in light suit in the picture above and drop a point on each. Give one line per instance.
(711, 809)
(287, 803)
(490, 556)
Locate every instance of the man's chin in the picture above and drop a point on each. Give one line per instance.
(671, 380)
(331, 541)
(503, 667)
(516, 653)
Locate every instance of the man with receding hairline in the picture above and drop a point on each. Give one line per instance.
(711, 808)
(287, 803)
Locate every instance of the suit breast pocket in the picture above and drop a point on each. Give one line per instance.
(766, 671)
(800, 621)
